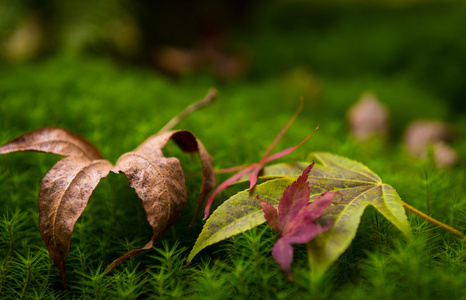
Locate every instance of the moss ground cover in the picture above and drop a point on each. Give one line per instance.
(116, 107)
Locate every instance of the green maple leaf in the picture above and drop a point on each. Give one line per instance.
(357, 185)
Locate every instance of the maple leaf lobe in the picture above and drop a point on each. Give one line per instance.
(295, 220)
(270, 214)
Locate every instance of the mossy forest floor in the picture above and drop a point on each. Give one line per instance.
(116, 107)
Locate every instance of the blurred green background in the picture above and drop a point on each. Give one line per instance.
(421, 41)
(409, 54)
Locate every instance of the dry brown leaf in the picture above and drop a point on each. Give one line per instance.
(66, 188)
(52, 140)
(160, 183)
(188, 143)
(63, 196)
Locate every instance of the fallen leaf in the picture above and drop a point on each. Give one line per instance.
(358, 187)
(368, 117)
(422, 134)
(52, 140)
(356, 184)
(239, 213)
(254, 169)
(295, 220)
(63, 196)
(66, 188)
(206, 56)
(160, 183)
(444, 155)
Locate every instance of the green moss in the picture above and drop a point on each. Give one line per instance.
(116, 108)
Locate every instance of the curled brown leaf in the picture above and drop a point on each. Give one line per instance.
(63, 196)
(188, 143)
(160, 182)
(52, 140)
(66, 188)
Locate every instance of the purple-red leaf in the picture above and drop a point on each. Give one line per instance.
(270, 214)
(294, 199)
(295, 220)
(282, 251)
(224, 185)
(254, 169)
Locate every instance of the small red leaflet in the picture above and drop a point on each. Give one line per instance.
(295, 220)
(254, 169)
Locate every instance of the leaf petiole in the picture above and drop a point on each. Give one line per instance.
(434, 221)
(211, 95)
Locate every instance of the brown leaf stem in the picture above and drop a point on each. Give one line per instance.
(434, 221)
(211, 95)
(117, 261)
